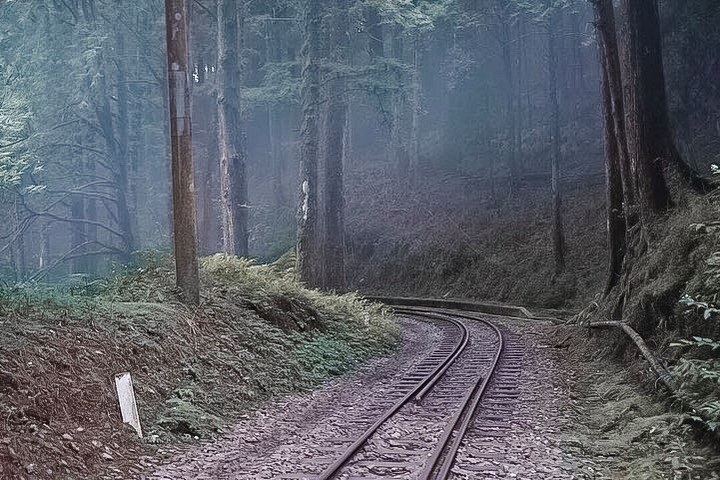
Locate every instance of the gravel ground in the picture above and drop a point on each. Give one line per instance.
(576, 417)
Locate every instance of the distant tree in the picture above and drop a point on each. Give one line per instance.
(548, 15)
(558, 233)
(232, 136)
(184, 228)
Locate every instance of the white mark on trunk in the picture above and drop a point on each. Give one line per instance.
(306, 199)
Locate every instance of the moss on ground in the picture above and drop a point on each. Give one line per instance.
(257, 334)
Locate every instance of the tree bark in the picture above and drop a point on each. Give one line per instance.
(184, 227)
(651, 148)
(616, 223)
(619, 193)
(308, 244)
(232, 136)
(336, 122)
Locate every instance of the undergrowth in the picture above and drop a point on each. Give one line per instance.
(698, 368)
(256, 334)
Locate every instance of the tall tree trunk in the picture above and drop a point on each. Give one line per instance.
(558, 234)
(116, 152)
(518, 99)
(121, 164)
(610, 56)
(334, 244)
(184, 226)
(651, 148)
(620, 194)
(510, 114)
(616, 223)
(308, 244)
(232, 137)
(274, 54)
(399, 134)
(415, 109)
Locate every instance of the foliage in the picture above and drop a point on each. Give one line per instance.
(257, 334)
(698, 370)
(413, 15)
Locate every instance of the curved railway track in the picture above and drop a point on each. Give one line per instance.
(437, 404)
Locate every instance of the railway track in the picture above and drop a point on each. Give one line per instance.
(465, 388)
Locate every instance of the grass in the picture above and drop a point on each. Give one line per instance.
(257, 334)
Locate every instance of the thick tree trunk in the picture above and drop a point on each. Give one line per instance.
(232, 137)
(558, 235)
(651, 148)
(308, 244)
(336, 122)
(184, 226)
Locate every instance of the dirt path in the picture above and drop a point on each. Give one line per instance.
(575, 418)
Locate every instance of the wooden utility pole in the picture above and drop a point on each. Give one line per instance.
(183, 186)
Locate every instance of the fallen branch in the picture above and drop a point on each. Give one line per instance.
(658, 367)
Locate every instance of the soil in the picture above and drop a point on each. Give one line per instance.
(579, 415)
(194, 371)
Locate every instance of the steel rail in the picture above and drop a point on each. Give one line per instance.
(440, 458)
(439, 371)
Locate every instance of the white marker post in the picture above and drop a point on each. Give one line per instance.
(126, 397)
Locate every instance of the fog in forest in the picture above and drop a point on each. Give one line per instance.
(452, 143)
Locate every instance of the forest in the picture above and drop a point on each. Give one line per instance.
(240, 179)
